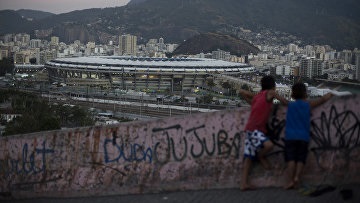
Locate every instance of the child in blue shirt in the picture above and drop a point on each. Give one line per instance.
(297, 131)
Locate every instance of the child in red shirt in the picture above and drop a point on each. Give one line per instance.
(257, 144)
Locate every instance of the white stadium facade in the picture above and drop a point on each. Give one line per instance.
(140, 73)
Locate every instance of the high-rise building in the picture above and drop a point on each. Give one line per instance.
(283, 70)
(128, 45)
(346, 56)
(35, 43)
(4, 53)
(293, 48)
(309, 51)
(161, 40)
(161, 45)
(221, 55)
(36, 54)
(91, 45)
(310, 67)
(8, 38)
(357, 64)
(47, 55)
(54, 40)
(77, 42)
(23, 38)
(171, 47)
(330, 55)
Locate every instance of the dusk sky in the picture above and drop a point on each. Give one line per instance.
(59, 6)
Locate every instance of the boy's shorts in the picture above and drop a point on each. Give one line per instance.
(254, 141)
(296, 150)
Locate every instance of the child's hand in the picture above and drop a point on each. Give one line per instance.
(321, 100)
(328, 96)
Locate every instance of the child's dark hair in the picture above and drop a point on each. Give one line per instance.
(299, 91)
(267, 82)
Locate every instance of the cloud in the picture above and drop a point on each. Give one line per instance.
(59, 6)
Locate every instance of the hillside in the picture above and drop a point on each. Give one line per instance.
(16, 24)
(208, 42)
(333, 22)
(33, 14)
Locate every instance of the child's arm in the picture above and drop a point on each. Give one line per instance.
(321, 100)
(272, 94)
(248, 96)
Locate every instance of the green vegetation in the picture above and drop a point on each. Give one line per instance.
(350, 80)
(6, 66)
(210, 82)
(33, 60)
(37, 115)
(206, 99)
(246, 87)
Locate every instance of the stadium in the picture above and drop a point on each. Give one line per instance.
(139, 73)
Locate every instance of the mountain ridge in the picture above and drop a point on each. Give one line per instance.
(333, 22)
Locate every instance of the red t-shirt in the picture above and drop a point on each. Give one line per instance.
(260, 112)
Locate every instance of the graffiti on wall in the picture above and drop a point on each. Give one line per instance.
(336, 137)
(174, 143)
(128, 152)
(31, 162)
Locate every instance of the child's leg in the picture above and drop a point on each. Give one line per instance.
(290, 158)
(268, 146)
(299, 168)
(301, 159)
(244, 181)
(290, 173)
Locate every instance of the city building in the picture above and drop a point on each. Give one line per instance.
(4, 53)
(54, 40)
(357, 63)
(8, 38)
(47, 55)
(293, 48)
(35, 43)
(336, 75)
(310, 67)
(128, 45)
(22, 57)
(23, 39)
(309, 51)
(283, 70)
(346, 56)
(221, 55)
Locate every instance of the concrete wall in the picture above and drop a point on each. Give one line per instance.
(199, 151)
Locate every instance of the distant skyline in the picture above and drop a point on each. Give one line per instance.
(59, 6)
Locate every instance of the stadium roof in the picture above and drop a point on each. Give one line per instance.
(147, 61)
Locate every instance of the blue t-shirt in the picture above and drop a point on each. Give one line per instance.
(298, 121)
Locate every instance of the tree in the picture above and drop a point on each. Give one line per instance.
(6, 66)
(229, 87)
(206, 99)
(33, 60)
(37, 115)
(349, 80)
(226, 85)
(168, 55)
(210, 82)
(245, 87)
